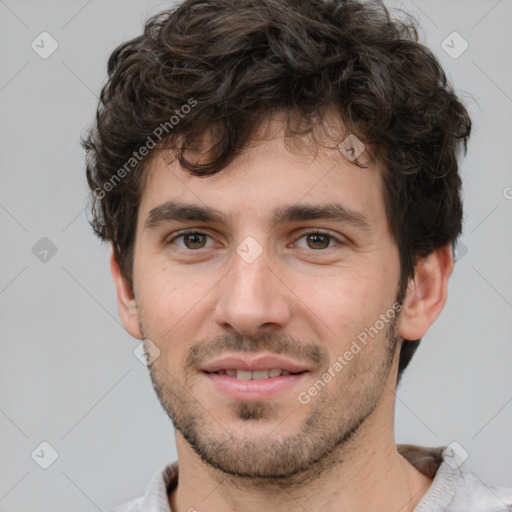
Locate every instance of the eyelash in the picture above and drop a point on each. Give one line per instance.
(196, 232)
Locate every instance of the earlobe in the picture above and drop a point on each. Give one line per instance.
(126, 303)
(426, 294)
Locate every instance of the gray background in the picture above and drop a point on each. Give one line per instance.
(68, 373)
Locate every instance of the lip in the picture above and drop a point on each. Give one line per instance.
(260, 362)
(254, 389)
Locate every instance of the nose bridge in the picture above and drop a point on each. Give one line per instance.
(249, 295)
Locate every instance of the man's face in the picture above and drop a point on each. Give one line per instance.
(233, 300)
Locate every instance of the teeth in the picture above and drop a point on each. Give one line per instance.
(256, 375)
(260, 374)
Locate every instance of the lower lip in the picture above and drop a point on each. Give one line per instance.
(254, 389)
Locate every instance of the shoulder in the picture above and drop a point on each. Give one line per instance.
(129, 506)
(459, 489)
(157, 492)
(455, 486)
(472, 494)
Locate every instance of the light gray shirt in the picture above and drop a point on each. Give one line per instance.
(455, 488)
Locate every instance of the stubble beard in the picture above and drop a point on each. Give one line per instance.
(331, 422)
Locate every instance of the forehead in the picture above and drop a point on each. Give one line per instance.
(271, 172)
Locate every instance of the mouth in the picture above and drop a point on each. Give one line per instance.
(258, 378)
(261, 366)
(255, 375)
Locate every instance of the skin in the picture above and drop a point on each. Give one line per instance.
(336, 452)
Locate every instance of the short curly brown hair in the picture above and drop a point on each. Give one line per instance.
(221, 67)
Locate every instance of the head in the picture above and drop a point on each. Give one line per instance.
(239, 110)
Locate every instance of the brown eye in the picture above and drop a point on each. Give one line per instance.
(194, 240)
(191, 240)
(318, 241)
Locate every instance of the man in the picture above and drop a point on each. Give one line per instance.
(280, 185)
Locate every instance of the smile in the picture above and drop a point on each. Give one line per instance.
(255, 375)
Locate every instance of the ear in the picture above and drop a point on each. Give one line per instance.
(126, 304)
(426, 293)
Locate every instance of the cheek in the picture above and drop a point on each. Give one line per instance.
(346, 293)
(172, 302)
(162, 299)
(342, 305)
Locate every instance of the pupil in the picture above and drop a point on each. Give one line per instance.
(195, 237)
(316, 237)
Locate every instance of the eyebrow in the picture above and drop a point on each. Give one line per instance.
(172, 211)
(330, 211)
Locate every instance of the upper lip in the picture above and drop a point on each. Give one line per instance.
(262, 362)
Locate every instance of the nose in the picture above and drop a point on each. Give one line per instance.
(252, 297)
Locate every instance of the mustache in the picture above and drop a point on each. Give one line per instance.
(274, 343)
